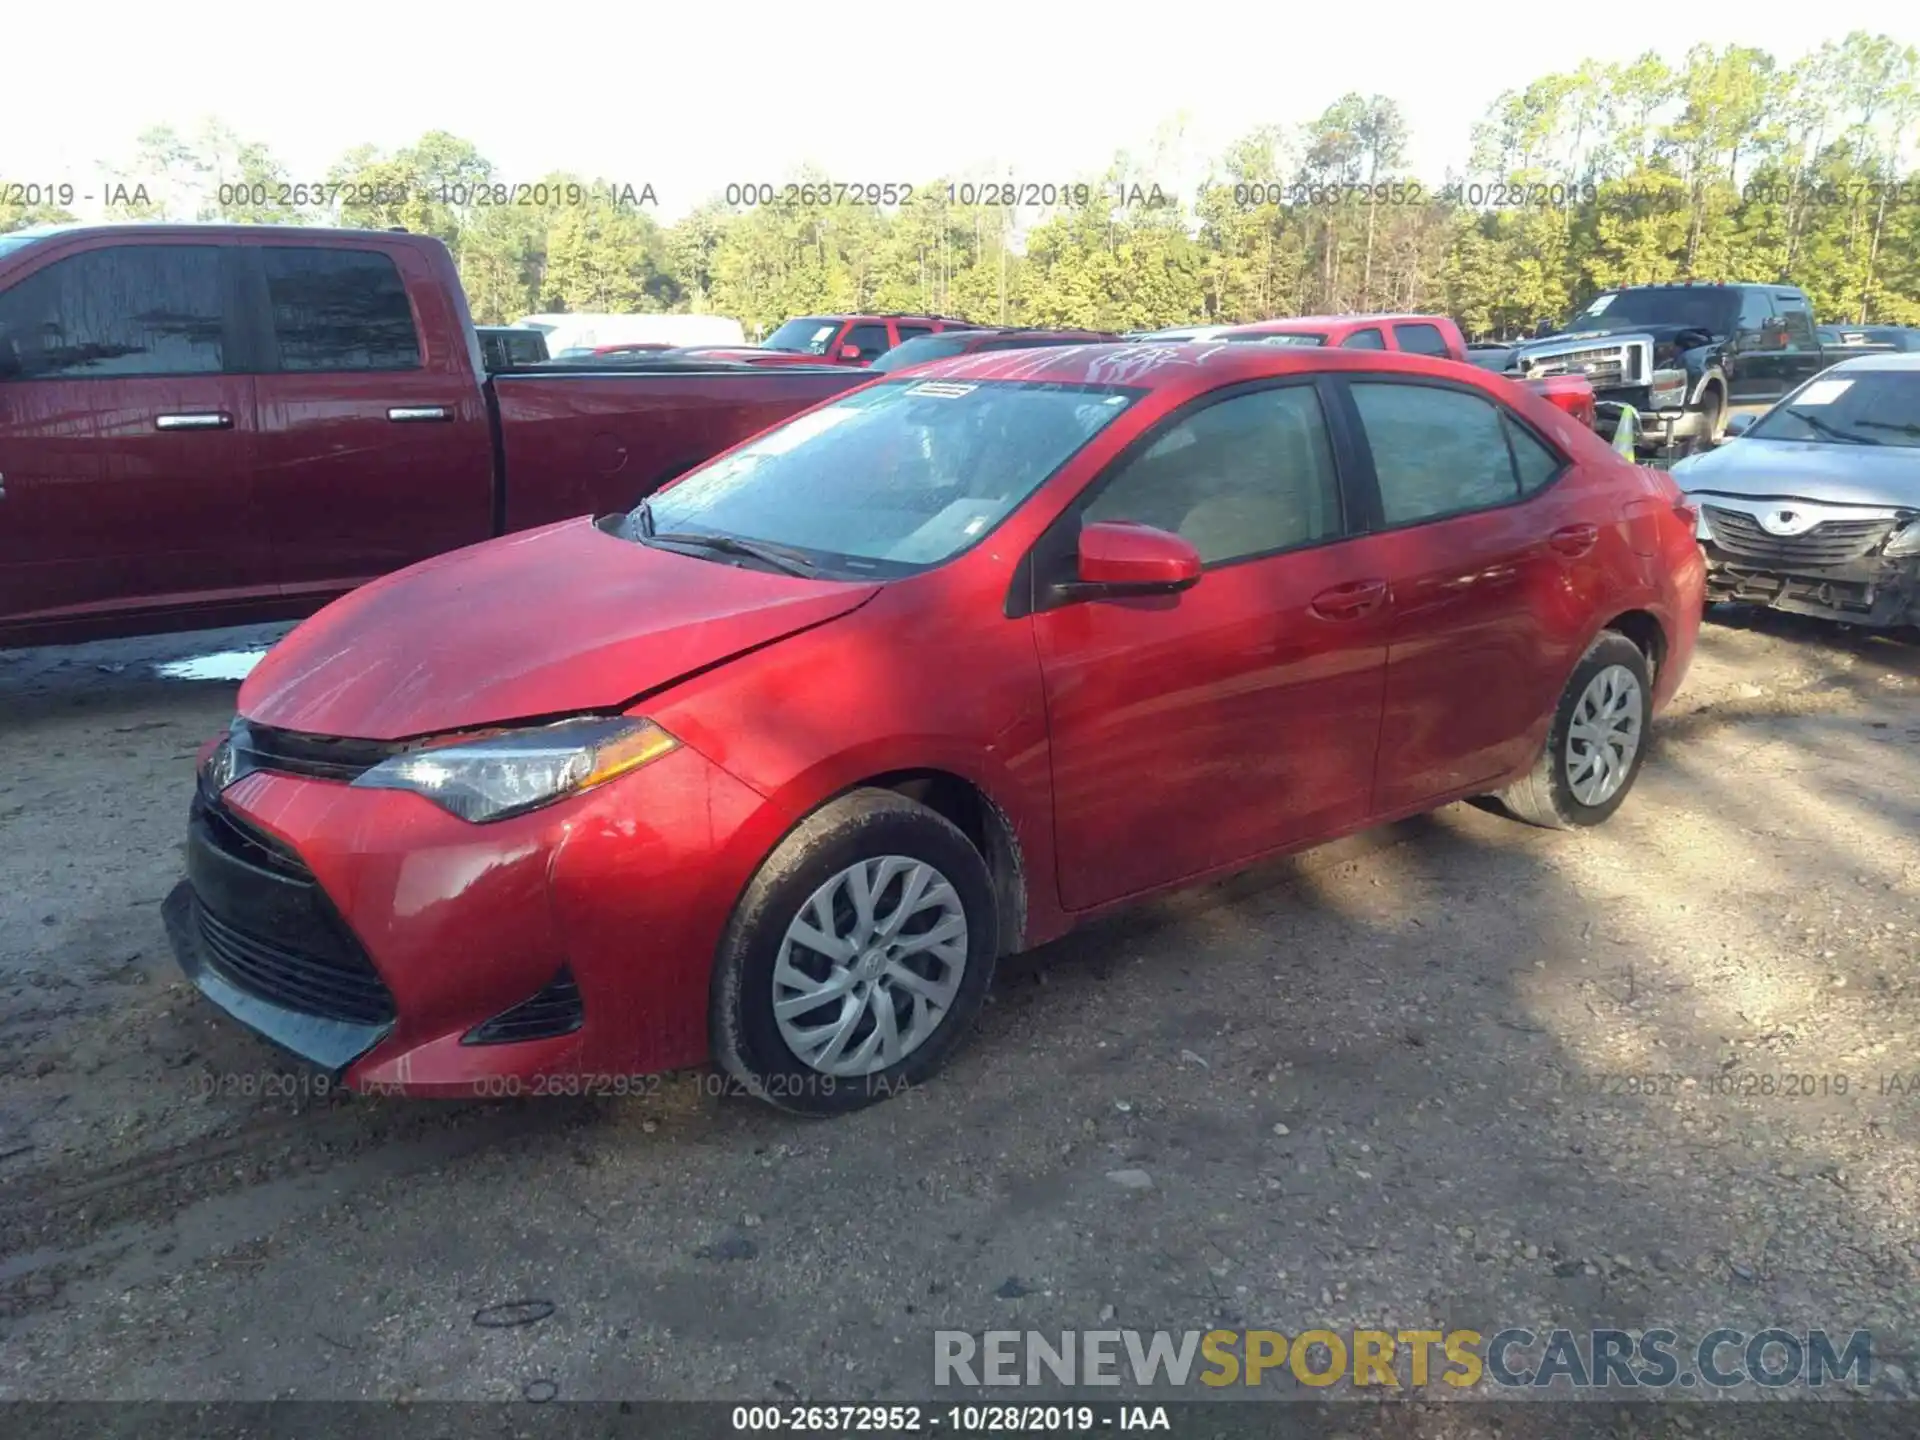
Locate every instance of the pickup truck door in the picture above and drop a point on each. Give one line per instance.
(374, 445)
(1802, 356)
(1757, 371)
(126, 434)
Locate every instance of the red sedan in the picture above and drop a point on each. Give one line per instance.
(773, 770)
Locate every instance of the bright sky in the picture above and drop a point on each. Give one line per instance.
(687, 97)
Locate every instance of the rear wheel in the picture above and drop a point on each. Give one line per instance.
(1596, 743)
(1713, 420)
(858, 958)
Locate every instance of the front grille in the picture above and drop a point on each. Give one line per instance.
(556, 1010)
(1608, 366)
(315, 757)
(332, 987)
(267, 926)
(1831, 542)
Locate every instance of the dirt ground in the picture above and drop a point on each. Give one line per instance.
(1458, 1073)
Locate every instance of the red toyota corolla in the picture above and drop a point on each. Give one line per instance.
(773, 770)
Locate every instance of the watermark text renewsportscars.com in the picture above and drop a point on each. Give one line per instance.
(1514, 1358)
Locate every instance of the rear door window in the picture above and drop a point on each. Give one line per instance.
(912, 332)
(119, 310)
(1436, 451)
(1421, 339)
(1368, 339)
(336, 309)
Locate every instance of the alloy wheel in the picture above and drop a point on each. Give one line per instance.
(870, 966)
(1604, 735)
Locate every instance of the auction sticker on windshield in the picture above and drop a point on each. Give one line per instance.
(942, 389)
(1602, 303)
(1823, 392)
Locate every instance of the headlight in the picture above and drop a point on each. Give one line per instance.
(489, 777)
(1905, 542)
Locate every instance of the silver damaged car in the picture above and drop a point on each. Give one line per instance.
(1814, 507)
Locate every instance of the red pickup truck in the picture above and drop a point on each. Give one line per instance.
(207, 425)
(1434, 335)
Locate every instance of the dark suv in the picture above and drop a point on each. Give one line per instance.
(924, 348)
(1681, 358)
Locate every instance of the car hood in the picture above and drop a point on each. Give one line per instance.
(547, 622)
(1836, 474)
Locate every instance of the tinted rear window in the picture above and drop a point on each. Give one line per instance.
(1421, 340)
(339, 310)
(120, 310)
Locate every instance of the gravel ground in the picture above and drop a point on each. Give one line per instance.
(1456, 1073)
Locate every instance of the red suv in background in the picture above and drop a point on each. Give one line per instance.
(1433, 335)
(925, 349)
(854, 339)
(774, 768)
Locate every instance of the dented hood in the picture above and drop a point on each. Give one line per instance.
(543, 623)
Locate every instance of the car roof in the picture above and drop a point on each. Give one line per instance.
(1889, 360)
(170, 228)
(1329, 321)
(1180, 367)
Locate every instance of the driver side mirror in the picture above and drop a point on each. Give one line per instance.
(1118, 558)
(1740, 424)
(849, 352)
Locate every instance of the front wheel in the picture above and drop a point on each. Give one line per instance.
(1596, 743)
(858, 958)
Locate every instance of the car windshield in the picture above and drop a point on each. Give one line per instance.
(1697, 307)
(809, 335)
(921, 349)
(892, 478)
(1856, 407)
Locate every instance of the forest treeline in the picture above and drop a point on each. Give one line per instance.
(1726, 165)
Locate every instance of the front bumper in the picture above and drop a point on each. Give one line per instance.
(373, 935)
(1881, 594)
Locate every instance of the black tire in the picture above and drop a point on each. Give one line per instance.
(1713, 414)
(863, 824)
(1545, 796)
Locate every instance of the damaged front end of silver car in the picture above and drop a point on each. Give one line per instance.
(1836, 562)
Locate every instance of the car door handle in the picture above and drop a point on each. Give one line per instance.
(202, 420)
(1575, 540)
(1350, 601)
(405, 414)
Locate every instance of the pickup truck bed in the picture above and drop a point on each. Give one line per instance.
(213, 425)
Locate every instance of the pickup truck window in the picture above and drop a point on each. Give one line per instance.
(1421, 339)
(807, 335)
(121, 310)
(1700, 307)
(1368, 339)
(339, 310)
(1756, 310)
(871, 340)
(894, 477)
(1798, 320)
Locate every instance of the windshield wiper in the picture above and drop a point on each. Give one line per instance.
(1905, 427)
(779, 557)
(643, 514)
(1815, 422)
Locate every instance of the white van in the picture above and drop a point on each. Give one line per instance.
(591, 332)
